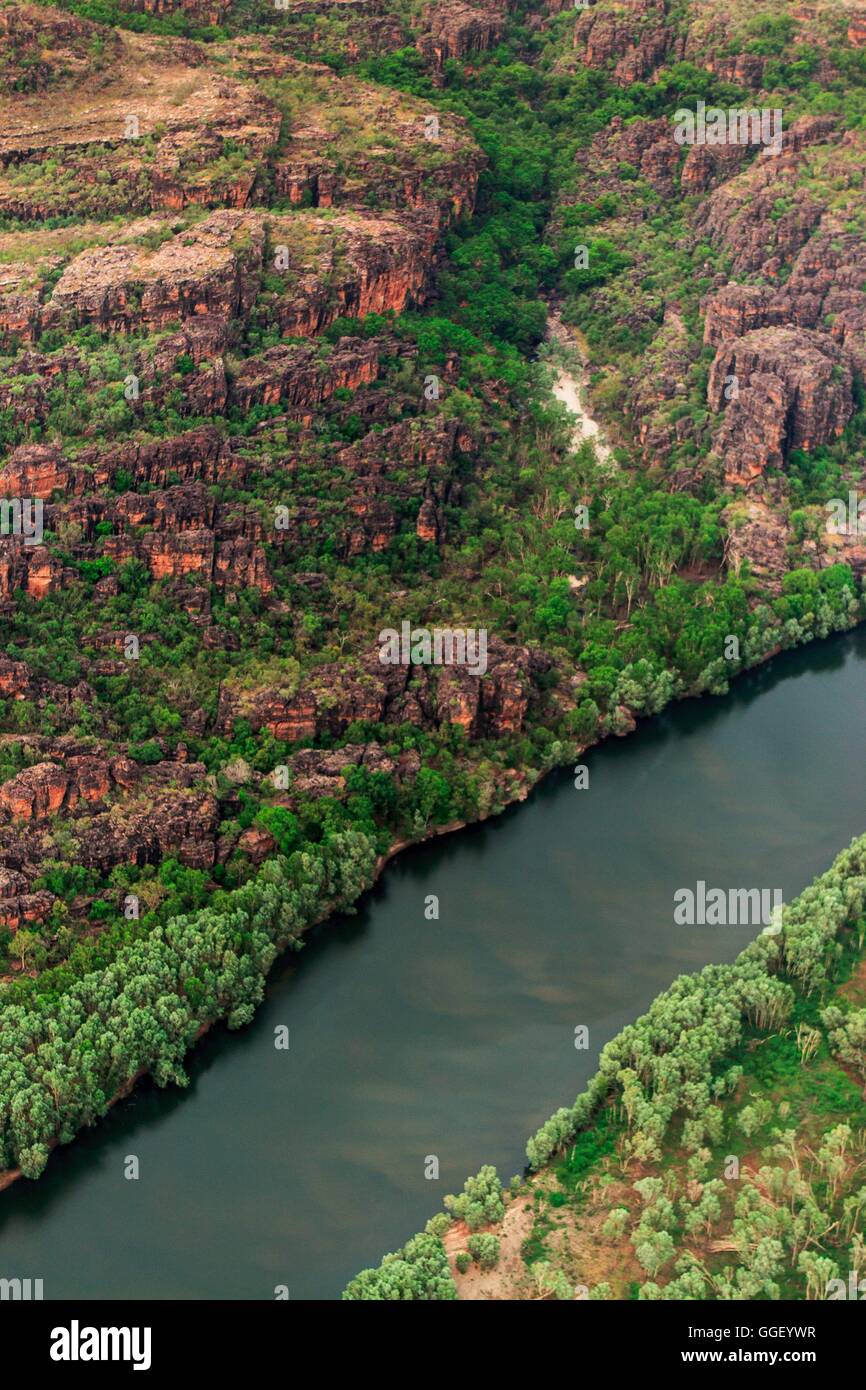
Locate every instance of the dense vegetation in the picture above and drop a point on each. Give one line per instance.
(738, 1100)
(640, 603)
(65, 1054)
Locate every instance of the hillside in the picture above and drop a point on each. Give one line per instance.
(275, 285)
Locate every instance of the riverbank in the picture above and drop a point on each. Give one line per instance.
(518, 794)
(622, 1206)
(840, 609)
(451, 1036)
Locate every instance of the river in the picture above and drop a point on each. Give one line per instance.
(454, 1037)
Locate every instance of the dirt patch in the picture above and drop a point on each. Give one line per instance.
(511, 1278)
(572, 1240)
(854, 990)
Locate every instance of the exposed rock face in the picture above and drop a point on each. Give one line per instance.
(36, 793)
(743, 69)
(350, 264)
(428, 696)
(19, 306)
(14, 679)
(297, 377)
(46, 788)
(182, 822)
(758, 534)
(184, 244)
(28, 381)
(39, 470)
(825, 290)
(396, 175)
(455, 29)
(747, 226)
(620, 154)
(188, 535)
(24, 909)
(316, 773)
(791, 340)
(203, 11)
(18, 683)
(199, 456)
(144, 91)
(767, 214)
(42, 48)
(635, 39)
(650, 147)
(32, 568)
(180, 530)
(367, 500)
(35, 470)
(354, 29)
(201, 340)
(117, 811)
(387, 266)
(213, 270)
(788, 389)
(734, 310)
(708, 166)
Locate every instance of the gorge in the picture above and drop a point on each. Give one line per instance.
(325, 323)
(452, 1037)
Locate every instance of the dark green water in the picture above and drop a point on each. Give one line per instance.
(456, 1037)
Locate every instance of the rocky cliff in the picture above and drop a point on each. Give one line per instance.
(182, 226)
(229, 377)
(751, 351)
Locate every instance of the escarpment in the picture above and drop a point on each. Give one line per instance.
(161, 131)
(732, 355)
(116, 813)
(269, 389)
(454, 28)
(206, 394)
(348, 265)
(795, 314)
(491, 703)
(633, 38)
(791, 390)
(395, 400)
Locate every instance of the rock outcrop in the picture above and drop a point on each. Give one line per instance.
(634, 39)
(780, 389)
(369, 692)
(455, 29)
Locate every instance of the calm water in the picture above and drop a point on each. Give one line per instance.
(455, 1037)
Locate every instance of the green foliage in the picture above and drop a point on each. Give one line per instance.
(66, 1055)
(418, 1272)
(283, 825)
(480, 1203)
(484, 1250)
